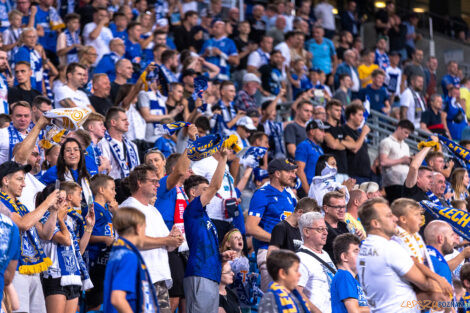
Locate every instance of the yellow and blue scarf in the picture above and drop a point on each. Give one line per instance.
(206, 146)
(285, 301)
(146, 295)
(33, 259)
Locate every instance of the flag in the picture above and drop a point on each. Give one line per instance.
(169, 129)
(206, 146)
(200, 85)
(252, 156)
(68, 118)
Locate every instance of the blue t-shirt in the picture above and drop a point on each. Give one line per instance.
(308, 152)
(166, 201)
(10, 247)
(272, 206)
(439, 263)
(116, 33)
(165, 145)
(121, 274)
(50, 176)
(133, 52)
(49, 40)
(377, 97)
(344, 286)
(227, 46)
(449, 80)
(107, 65)
(103, 227)
(305, 84)
(201, 235)
(322, 54)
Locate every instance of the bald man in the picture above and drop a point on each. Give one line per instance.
(441, 240)
(356, 198)
(438, 186)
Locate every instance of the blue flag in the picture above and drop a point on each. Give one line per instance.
(458, 151)
(169, 129)
(200, 85)
(252, 156)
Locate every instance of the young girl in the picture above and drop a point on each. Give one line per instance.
(64, 280)
(244, 282)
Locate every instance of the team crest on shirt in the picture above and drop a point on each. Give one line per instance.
(285, 214)
(275, 199)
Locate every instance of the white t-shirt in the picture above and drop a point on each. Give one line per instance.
(256, 60)
(206, 168)
(393, 79)
(101, 43)
(155, 259)
(285, 51)
(137, 124)
(324, 12)
(381, 264)
(28, 196)
(316, 279)
(145, 101)
(394, 149)
(5, 144)
(115, 167)
(77, 96)
(415, 110)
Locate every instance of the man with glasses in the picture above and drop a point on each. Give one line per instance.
(334, 206)
(270, 204)
(22, 91)
(143, 184)
(316, 268)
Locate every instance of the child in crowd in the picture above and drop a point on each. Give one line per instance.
(127, 284)
(244, 282)
(282, 295)
(102, 237)
(68, 275)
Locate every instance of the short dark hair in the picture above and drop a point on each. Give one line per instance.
(226, 83)
(23, 63)
(38, 100)
(353, 108)
(307, 205)
(97, 9)
(138, 174)
(171, 162)
(99, 180)
(406, 124)
(132, 25)
(70, 17)
(72, 67)
(343, 76)
(280, 260)
(194, 181)
(113, 112)
(332, 195)
(341, 245)
(168, 54)
(255, 136)
(188, 14)
(378, 72)
(203, 123)
(367, 211)
(333, 103)
(465, 272)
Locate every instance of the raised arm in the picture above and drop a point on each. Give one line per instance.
(217, 179)
(416, 162)
(23, 149)
(183, 162)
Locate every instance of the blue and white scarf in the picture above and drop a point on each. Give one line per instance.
(14, 137)
(460, 152)
(434, 199)
(228, 113)
(70, 40)
(169, 75)
(264, 57)
(146, 295)
(170, 128)
(252, 156)
(33, 259)
(47, 85)
(4, 94)
(126, 164)
(274, 131)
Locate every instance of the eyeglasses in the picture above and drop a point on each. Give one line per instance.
(319, 229)
(153, 181)
(227, 273)
(337, 207)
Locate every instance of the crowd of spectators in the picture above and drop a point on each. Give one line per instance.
(118, 217)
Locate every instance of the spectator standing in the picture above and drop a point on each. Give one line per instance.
(245, 97)
(343, 93)
(324, 15)
(97, 34)
(412, 104)
(382, 18)
(23, 90)
(295, 132)
(30, 53)
(308, 152)
(393, 77)
(350, 20)
(272, 79)
(368, 66)
(356, 144)
(316, 267)
(107, 64)
(16, 131)
(334, 206)
(260, 56)
(69, 42)
(323, 51)
(101, 91)
(143, 184)
(394, 156)
(414, 68)
(453, 115)
(356, 198)
(430, 74)
(381, 57)
(431, 119)
(346, 293)
(258, 25)
(277, 32)
(397, 36)
(376, 94)
(451, 79)
(349, 67)
(270, 204)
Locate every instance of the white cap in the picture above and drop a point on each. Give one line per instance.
(250, 77)
(246, 122)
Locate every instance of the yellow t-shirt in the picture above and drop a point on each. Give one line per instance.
(351, 222)
(365, 71)
(465, 94)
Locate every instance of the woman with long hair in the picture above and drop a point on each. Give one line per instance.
(459, 180)
(71, 167)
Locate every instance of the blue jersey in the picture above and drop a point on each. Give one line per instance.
(116, 33)
(49, 40)
(121, 274)
(103, 227)
(382, 60)
(305, 84)
(308, 152)
(133, 52)
(377, 97)
(449, 80)
(9, 247)
(201, 235)
(165, 145)
(344, 286)
(166, 201)
(322, 54)
(272, 206)
(226, 46)
(107, 65)
(439, 263)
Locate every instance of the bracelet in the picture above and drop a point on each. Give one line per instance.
(88, 230)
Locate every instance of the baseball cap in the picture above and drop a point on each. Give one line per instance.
(313, 124)
(11, 167)
(246, 122)
(281, 165)
(250, 77)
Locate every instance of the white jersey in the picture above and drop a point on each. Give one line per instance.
(381, 265)
(77, 96)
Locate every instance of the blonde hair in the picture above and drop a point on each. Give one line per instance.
(126, 220)
(224, 246)
(456, 180)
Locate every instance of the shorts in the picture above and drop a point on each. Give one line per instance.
(162, 297)
(52, 286)
(94, 296)
(30, 294)
(178, 263)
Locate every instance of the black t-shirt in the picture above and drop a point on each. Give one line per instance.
(17, 94)
(340, 155)
(332, 234)
(241, 45)
(114, 91)
(359, 162)
(229, 302)
(397, 38)
(101, 105)
(285, 236)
